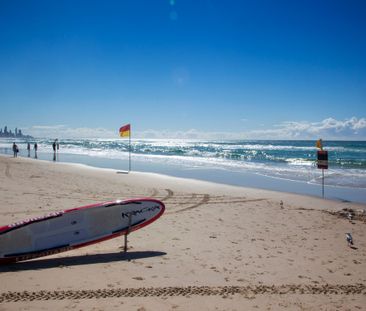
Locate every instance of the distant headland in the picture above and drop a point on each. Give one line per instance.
(17, 133)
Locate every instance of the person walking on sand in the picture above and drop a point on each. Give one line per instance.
(35, 150)
(28, 148)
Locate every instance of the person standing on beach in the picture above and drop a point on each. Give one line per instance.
(58, 148)
(54, 146)
(54, 150)
(35, 150)
(28, 148)
(15, 150)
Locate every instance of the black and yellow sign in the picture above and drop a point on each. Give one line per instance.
(323, 159)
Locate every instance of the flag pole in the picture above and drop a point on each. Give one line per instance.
(323, 183)
(123, 132)
(129, 157)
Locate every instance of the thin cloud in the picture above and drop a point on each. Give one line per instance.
(330, 128)
(63, 131)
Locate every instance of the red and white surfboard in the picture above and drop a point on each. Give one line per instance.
(73, 228)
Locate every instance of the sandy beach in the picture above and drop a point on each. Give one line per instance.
(216, 247)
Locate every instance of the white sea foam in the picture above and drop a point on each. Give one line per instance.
(287, 160)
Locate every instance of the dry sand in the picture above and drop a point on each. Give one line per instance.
(216, 247)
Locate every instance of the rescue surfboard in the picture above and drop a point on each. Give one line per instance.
(74, 228)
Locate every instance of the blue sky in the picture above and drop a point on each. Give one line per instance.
(250, 69)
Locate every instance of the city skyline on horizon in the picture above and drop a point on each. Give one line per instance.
(17, 133)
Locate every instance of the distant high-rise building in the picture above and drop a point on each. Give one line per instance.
(18, 133)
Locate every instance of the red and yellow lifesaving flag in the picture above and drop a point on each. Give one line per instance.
(125, 130)
(319, 144)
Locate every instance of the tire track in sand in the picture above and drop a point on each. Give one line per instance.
(205, 200)
(169, 195)
(224, 291)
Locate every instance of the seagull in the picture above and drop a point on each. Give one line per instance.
(349, 216)
(349, 239)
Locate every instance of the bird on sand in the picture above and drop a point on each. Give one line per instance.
(349, 239)
(349, 216)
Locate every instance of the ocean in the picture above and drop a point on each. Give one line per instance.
(285, 165)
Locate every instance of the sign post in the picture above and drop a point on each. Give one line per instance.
(129, 152)
(125, 131)
(322, 159)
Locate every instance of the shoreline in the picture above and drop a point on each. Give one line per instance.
(247, 179)
(184, 180)
(215, 245)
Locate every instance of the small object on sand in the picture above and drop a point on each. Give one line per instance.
(349, 239)
(281, 204)
(349, 216)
